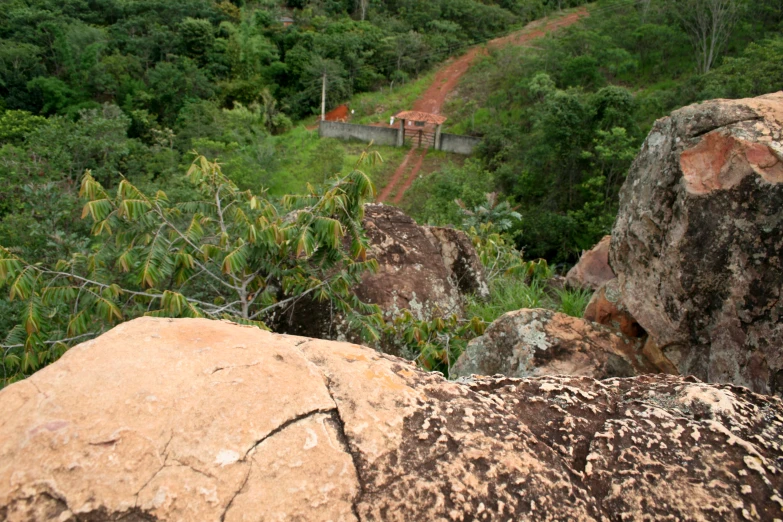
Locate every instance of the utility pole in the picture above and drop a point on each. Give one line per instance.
(323, 98)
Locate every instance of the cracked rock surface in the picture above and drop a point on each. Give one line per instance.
(200, 420)
(698, 241)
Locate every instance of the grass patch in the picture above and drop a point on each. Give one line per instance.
(509, 293)
(303, 157)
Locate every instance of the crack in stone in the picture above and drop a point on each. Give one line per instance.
(238, 492)
(346, 442)
(286, 424)
(340, 425)
(36, 387)
(232, 367)
(136, 502)
(727, 124)
(194, 469)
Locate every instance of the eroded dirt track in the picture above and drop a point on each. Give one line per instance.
(446, 80)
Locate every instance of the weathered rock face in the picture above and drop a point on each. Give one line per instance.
(607, 307)
(530, 343)
(698, 242)
(422, 269)
(413, 274)
(207, 421)
(465, 269)
(593, 268)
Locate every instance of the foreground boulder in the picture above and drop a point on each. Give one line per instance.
(698, 241)
(593, 268)
(208, 421)
(426, 270)
(531, 343)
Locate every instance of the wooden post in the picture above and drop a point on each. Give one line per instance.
(437, 137)
(420, 133)
(323, 98)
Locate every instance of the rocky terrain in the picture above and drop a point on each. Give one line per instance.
(531, 343)
(191, 419)
(423, 269)
(698, 240)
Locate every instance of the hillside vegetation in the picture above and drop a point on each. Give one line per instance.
(106, 104)
(563, 120)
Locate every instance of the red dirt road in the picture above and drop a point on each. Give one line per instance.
(447, 78)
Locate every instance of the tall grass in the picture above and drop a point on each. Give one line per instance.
(509, 293)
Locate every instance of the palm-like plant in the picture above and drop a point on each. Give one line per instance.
(498, 214)
(231, 254)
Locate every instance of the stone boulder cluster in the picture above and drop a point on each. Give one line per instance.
(660, 404)
(190, 419)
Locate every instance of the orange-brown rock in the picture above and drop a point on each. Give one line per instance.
(534, 342)
(698, 241)
(194, 420)
(593, 268)
(606, 307)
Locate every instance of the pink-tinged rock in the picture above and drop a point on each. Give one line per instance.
(195, 420)
(606, 307)
(593, 268)
(698, 241)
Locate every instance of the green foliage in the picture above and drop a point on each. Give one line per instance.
(562, 121)
(573, 302)
(15, 126)
(229, 254)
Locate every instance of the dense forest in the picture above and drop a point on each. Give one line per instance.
(106, 104)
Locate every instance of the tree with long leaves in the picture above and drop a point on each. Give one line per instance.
(230, 254)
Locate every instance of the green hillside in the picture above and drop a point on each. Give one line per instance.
(105, 105)
(563, 120)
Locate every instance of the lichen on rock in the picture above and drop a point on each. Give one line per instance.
(698, 240)
(200, 420)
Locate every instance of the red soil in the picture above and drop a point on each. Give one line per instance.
(337, 114)
(447, 78)
(411, 177)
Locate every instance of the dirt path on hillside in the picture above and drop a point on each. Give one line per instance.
(411, 177)
(447, 78)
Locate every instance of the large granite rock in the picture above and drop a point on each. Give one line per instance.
(426, 270)
(193, 420)
(698, 242)
(535, 342)
(593, 268)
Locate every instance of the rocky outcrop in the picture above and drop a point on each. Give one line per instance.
(698, 241)
(465, 269)
(195, 420)
(412, 274)
(530, 343)
(607, 307)
(593, 268)
(426, 270)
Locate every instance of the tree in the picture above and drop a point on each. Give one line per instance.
(708, 24)
(231, 254)
(362, 6)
